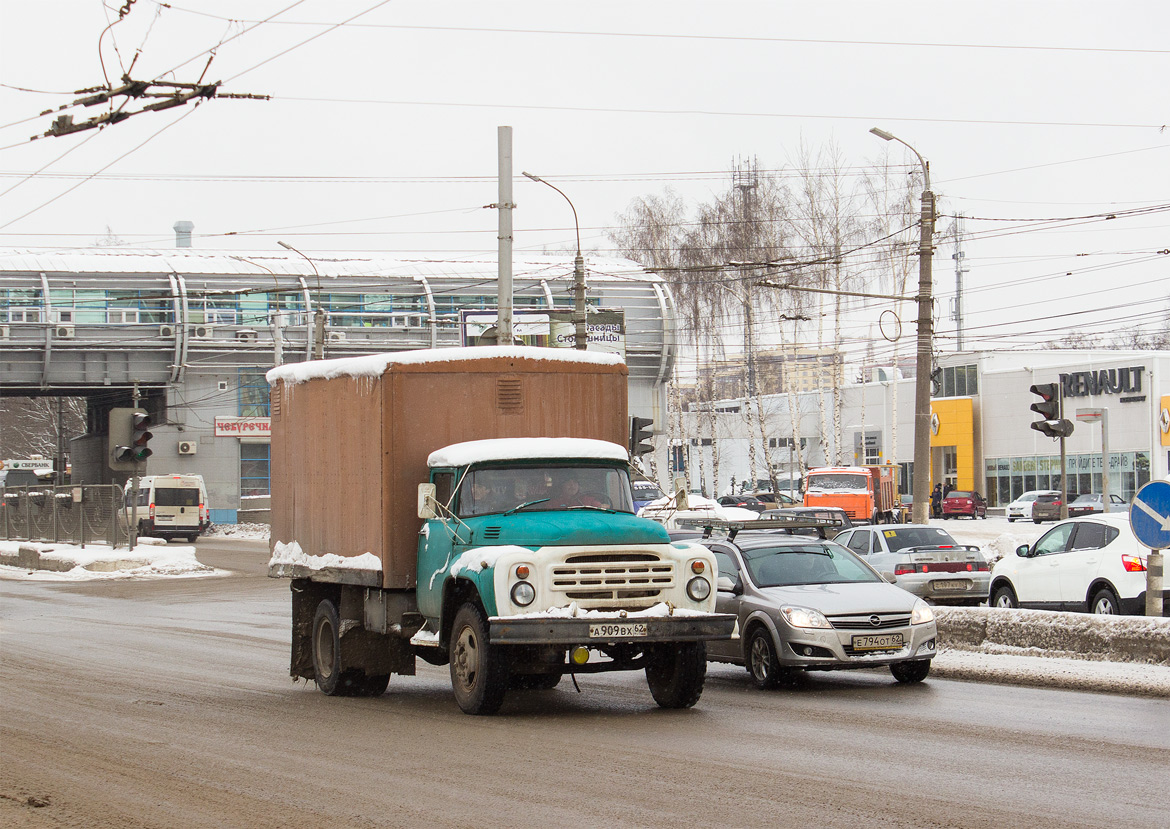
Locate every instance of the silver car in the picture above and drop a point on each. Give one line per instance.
(924, 560)
(808, 604)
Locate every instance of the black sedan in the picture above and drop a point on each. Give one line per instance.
(743, 502)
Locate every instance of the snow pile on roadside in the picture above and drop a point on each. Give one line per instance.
(100, 561)
(1045, 670)
(257, 532)
(1078, 636)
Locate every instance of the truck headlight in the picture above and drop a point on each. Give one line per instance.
(698, 589)
(523, 594)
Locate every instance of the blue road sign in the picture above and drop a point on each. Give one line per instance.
(1150, 515)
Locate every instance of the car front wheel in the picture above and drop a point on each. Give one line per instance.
(1004, 597)
(911, 672)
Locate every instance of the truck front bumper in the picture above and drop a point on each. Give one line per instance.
(506, 630)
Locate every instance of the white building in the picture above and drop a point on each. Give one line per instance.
(981, 436)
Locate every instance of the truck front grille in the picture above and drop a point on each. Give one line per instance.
(610, 576)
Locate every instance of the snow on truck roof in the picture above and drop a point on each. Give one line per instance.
(508, 449)
(375, 365)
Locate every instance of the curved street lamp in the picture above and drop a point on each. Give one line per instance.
(921, 487)
(581, 336)
(318, 314)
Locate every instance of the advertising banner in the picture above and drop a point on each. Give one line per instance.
(605, 328)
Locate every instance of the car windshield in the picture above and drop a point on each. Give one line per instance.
(646, 492)
(920, 536)
(838, 482)
(824, 563)
(533, 488)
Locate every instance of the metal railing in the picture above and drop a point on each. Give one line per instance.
(84, 514)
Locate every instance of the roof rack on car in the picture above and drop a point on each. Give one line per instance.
(779, 522)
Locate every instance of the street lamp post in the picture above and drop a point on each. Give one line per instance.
(581, 336)
(921, 488)
(318, 314)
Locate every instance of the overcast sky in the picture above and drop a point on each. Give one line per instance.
(381, 134)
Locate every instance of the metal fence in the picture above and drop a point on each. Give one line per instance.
(83, 514)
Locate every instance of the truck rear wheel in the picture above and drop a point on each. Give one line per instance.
(326, 641)
(479, 670)
(331, 676)
(676, 674)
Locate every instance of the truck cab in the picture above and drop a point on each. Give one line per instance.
(531, 552)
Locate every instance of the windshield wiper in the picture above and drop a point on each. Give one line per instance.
(525, 504)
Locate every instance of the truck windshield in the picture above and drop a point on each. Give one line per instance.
(838, 482)
(499, 489)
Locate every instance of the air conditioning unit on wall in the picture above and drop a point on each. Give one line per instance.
(335, 336)
(246, 335)
(5, 332)
(63, 332)
(166, 330)
(204, 332)
(188, 447)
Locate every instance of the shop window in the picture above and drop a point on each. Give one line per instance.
(255, 469)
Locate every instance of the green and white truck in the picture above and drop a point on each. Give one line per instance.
(473, 507)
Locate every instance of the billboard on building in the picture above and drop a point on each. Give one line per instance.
(605, 328)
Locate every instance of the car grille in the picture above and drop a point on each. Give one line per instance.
(862, 622)
(613, 576)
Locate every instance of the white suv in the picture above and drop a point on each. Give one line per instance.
(1021, 508)
(1090, 564)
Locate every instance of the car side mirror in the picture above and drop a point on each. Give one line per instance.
(1023, 551)
(426, 501)
(889, 576)
(726, 584)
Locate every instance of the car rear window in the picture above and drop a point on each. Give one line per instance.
(176, 497)
(960, 495)
(917, 537)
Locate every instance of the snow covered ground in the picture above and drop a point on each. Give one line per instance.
(1128, 655)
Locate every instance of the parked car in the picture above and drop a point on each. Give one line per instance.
(1046, 507)
(742, 501)
(832, 520)
(644, 493)
(964, 502)
(811, 605)
(1021, 508)
(1092, 564)
(1092, 502)
(775, 500)
(924, 560)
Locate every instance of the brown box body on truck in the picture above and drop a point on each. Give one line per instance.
(348, 452)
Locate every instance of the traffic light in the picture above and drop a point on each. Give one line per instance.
(129, 435)
(1049, 408)
(640, 435)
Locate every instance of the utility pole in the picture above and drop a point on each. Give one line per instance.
(959, 271)
(746, 178)
(505, 205)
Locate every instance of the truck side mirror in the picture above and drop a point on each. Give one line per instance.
(681, 496)
(426, 501)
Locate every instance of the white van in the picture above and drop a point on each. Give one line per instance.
(169, 506)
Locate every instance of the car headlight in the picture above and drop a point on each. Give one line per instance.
(921, 614)
(523, 593)
(804, 617)
(698, 589)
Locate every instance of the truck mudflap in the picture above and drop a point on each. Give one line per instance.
(506, 630)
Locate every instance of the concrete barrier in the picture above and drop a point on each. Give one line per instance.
(1077, 635)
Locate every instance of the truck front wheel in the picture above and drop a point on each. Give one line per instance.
(479, 670)
(676, 674)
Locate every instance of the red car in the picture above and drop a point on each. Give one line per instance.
(964, 502)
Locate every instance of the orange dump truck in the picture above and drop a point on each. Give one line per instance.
(866, 493)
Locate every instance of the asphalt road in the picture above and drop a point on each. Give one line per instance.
(168, 703)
